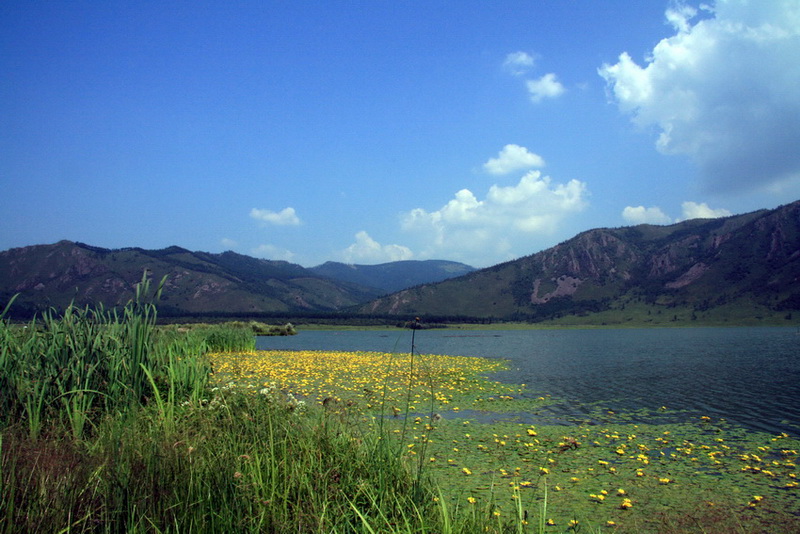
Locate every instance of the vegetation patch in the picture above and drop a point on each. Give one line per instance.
(111, 424)
(458, 427)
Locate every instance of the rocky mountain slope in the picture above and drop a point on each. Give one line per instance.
(745, 260)
(748, 263)
(197, 282)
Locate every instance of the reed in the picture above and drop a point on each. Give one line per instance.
(76, 367)
(110, 424)
(239, 463)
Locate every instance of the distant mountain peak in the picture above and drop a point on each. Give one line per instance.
(394, 276)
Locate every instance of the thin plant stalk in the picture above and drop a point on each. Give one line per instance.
(410, 381)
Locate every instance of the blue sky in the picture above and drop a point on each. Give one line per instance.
(368, 132)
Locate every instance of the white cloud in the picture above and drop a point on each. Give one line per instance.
(518, 63)
(513, 158)
(271, 252)
(723, 90)
(547, 86)
(285, 217)
(654, 215)
(642, 215)
(679, 16)
(693, 210)
(367, 250)
(476, 230)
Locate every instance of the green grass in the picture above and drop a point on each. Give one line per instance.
(231, 463)
(71, 371)
(110, 424)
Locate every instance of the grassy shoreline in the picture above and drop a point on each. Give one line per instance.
(111, 424)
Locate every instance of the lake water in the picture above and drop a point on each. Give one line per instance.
(749, 376)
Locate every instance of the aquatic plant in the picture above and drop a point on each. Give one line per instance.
(609, 472)
(308, 441)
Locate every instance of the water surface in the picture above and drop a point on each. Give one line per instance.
(749, 376)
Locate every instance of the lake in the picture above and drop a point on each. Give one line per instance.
(749, 376)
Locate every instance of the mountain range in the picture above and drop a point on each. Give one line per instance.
(198, 283)
(738, 268)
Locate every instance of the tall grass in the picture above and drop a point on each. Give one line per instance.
(239, 463)
(110, 424)
(76, 367)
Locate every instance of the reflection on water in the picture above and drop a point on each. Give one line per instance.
(749, 376)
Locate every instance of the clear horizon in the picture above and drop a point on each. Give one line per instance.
(461, 131)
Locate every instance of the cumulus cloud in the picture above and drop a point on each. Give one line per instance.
(518, 63)
(367, 250)
(271, 252)
(693, 210)
(285, 217)
(642, 215)
(654, 215)
(513, 158)
(469, 228)
(722, 90)
(547, 86)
